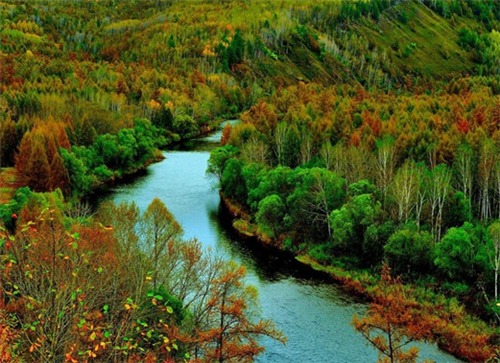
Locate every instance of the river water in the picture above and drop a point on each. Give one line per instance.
(314, 314)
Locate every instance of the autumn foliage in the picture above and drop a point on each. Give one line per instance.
(73, 291)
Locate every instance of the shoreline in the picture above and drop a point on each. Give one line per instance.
(361, 284)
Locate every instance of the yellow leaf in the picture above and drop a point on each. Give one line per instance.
(127, 306)
(92, 336)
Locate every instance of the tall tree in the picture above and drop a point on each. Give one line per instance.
(23, 157)
(158, 227)
(317, 194)
(232, 334)
(38, 170)
(439, 184)
(404, 188)
(494, 252)
(486, 166)
(464, 167)
(8, 143)
(280, 138)
(392, 322)
(385, 164)
(327, 155)
(59, 177)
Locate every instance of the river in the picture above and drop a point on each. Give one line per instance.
(314, 314)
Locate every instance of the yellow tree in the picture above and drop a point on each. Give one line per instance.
(158, 227)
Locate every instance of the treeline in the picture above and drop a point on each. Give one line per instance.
(418, 187)
(121, 286)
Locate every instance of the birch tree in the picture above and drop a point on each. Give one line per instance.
(464, 170)
(404, 188)
(327, 155)
(439, 183)
(385, 164)
(494, 254)
(280, 138)
(485, 173)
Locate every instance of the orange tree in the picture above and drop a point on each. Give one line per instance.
(392, 322)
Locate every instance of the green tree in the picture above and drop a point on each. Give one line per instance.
(270, 214)
(409, 251)
(350, 222)
(318, 192)
(456, 253)
(280, 181)
(218, 159)
(232, 181)
(80, 180)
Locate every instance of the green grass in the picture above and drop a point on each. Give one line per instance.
(425, 43)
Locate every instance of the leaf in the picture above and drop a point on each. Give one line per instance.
(93, 336)
(170, 310)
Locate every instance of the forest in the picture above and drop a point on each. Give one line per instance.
(368, 146)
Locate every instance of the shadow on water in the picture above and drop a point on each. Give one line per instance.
(268, 263)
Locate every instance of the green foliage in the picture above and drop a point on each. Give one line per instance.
(80, 181)
(409, 251)
(350, 222)
(280, 181)
(458, 210)
(184, 125)
(375, 240)
(9, 212)
(459, 247)
(318, 192)
(270, 214)
(218, 159)
(232, 181)
(361, 187)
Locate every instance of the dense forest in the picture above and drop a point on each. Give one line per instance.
(368, 146)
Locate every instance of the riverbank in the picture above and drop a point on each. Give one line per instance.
(455, 331)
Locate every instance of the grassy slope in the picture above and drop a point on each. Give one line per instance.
(436, 53)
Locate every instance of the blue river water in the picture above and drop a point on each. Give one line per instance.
(312, 312)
